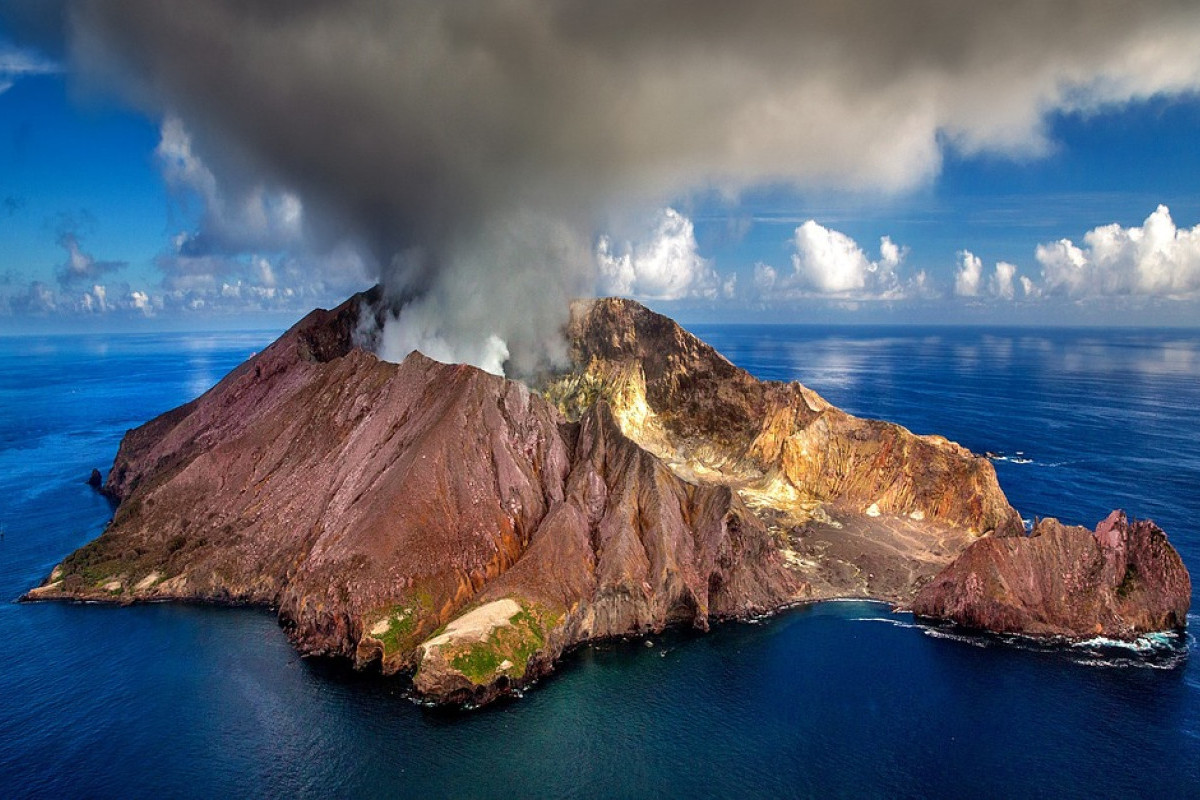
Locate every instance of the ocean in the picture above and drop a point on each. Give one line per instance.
(843, 699)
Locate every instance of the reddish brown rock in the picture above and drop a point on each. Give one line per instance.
(1119, 581)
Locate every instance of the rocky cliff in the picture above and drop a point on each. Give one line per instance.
(1117, 581)
(438, 520)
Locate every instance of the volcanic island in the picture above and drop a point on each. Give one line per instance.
(466, 530)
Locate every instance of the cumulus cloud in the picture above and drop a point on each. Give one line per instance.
(765, 278)
(667, 266)
(1001, 282)
(38, 298)
(193, 278)
(421, 132)
(1156, 259)
(970, 280)
(969, 275)
(830, 262)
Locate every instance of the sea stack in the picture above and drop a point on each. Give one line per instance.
(437, 520)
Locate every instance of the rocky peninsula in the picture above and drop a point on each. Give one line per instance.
(466, 529)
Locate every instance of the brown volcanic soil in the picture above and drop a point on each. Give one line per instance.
(433, 518)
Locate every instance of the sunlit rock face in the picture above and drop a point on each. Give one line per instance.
(858, 507)
(780, 443)
(444, 522)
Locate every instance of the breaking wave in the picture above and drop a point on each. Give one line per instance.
(1020, 457)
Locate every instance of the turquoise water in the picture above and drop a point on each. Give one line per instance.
(839, 699)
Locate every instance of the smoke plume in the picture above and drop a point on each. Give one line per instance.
(474, 151)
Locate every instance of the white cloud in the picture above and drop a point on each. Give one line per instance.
(666, 267)
(253, 217)
(969, 279)
(921, 286)
(96, 299)
(969, 274)
(828, 262)
(16, 63)
(1157, 259)
(1001, 283)
(231, 282)
(765, 277)
(39, 299)
(141, 301)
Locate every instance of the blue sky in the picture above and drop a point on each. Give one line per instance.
(108, 213)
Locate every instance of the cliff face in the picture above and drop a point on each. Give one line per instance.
(438, 520)
(1117, 581)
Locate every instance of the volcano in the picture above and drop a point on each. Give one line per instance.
(442, 522)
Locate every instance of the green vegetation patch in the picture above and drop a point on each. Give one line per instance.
(516, 643)
(1128, 582)
(402, 632)
(401, 625)
(93, 565)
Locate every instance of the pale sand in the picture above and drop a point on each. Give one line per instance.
(148, 581)
(476, 625)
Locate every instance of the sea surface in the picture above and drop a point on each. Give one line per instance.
(834, 700)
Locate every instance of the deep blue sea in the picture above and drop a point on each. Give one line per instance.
(834, 700)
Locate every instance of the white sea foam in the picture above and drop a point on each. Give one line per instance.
(965, 638)
(1125, 663)
(1147, 643)
(1137, 645)
(896, 622)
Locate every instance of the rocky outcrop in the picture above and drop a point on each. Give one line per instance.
(1118, 581)
(441, 521)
